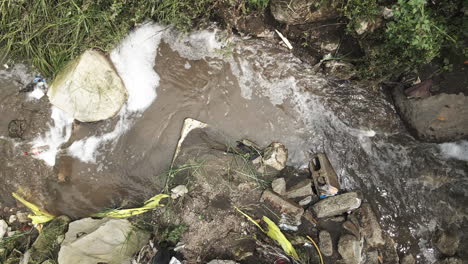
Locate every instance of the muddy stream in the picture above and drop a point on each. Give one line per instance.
(246, 88)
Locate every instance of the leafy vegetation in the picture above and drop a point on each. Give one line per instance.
(414, 36)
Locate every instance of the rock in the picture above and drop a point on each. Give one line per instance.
(178, 191)
(91, 241)
(408, 259)
(12, 219)
(284, 206)
(352, 228)
(294, 12)
(22, 217)
(325, 243)
(88, 88)
(350, 248)
(450, 261)
(305, 201)
(341, 69)
(366, 26)
(337, 205)
(3, 228)
(49, 261)
(447, 243)
(275, 156)
(279, 186)
(370, 227)
(441, 117)
(218, 261)
(372, 257)
(302, 189)
(49, 239)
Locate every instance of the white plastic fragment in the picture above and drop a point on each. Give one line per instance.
(284, 39)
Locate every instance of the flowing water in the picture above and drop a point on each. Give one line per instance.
(247, 88)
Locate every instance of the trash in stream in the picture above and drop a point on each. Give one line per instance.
(149, 205)
(39, 216)
(36, 150)
(325, 180)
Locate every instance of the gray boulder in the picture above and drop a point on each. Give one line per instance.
(111, 241)
(3, 228)
(88, 88)
(325, 243)
(442, 117)
(293, 210)
(350, 249)
(302, 189)
(337, 205)
(279, 186)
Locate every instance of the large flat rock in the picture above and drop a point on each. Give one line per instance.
(337, 205)
(88, 88)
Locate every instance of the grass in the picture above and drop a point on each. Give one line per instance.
(50, 33)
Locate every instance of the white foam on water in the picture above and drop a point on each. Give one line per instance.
(134, 60)
(455, 150)
(59, 133)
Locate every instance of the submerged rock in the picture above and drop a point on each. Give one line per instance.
(91, 241)
(88, 88)
(337, 205)
(447, 243)
(370, 227)
(442, 117)
(273, 159)
(350, 249)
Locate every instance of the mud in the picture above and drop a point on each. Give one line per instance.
(248, 89)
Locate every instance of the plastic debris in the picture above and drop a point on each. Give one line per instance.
(39, 216)
(284, 39)
(317, 248)
(124, 213)
(36, 150)
(327, 191)
(274, 233)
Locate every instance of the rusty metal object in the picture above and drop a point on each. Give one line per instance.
(323, 173)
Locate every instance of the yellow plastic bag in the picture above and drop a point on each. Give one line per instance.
(39, 216)
(274, 233)
(150, 204)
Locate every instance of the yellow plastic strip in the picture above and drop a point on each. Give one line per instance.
(274, 233)
(149, 205)
(39, 216)
(250, 219)
(317, 248)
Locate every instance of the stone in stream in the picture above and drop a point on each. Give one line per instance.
(337, 205)
(279, 186)
(352, 228)
(441, 117)
(284, 206)
(89, 88)
(447, 243)
(408, 259)
(350, 249)
(302, 189)
(370, 227)
(325, 243)
(91, 241)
